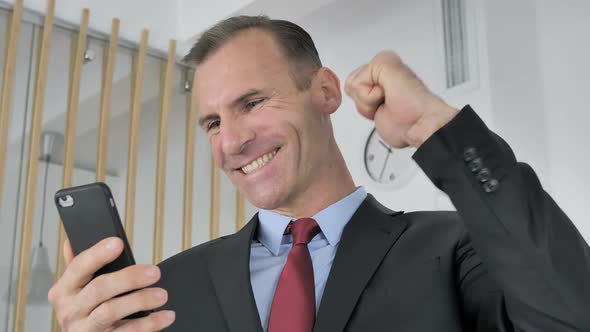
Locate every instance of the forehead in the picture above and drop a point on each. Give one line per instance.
(250, 60)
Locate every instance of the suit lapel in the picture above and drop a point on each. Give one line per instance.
(365, 241)
(230, 273)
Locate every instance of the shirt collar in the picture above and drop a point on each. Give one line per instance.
(331, 221)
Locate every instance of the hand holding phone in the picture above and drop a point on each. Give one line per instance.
(101, 285)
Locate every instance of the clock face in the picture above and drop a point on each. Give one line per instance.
(388, 165)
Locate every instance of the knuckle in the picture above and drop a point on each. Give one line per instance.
(384, 53)
(78, 265)
(154, 322)
(348, 84)
(138, 328)
(143, 299)
(103, 315)
(148, 325)
(146, 297)
(53, 295)
(92, 291)
(103, 280)
(65, 317)
(388, 54)
(60, 315)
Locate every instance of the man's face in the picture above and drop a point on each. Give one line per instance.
(265, 134)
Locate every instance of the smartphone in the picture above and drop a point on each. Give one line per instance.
(89, 215)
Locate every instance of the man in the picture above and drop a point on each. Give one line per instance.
(509, 260)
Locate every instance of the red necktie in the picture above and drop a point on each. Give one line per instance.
(293, 305)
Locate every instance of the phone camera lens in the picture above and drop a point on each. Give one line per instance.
(66, 201)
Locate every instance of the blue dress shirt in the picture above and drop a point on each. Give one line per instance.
(270, 248)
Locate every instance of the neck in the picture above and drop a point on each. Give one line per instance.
(334, 182)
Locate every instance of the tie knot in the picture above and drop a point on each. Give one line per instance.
(303, 230)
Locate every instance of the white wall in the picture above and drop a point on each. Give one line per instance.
(539, 77)
(195, 16)
(515, 80)
(182, 20)
(160, 17)
(533, 79)
(348, 33)
(564, 51)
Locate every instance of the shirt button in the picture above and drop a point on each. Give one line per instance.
(491, 186)
(475, 165)
(469, 154)
(484, 175)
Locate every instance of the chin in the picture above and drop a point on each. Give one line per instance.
(265, 200)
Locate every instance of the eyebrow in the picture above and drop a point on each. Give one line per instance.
(241, 99)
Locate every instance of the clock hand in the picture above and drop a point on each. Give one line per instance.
(384, 164)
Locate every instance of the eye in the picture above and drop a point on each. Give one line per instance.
(212, 125)
(253, 103)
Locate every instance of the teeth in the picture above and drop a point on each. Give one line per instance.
(258, 163)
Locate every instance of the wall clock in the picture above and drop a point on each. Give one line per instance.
(386, 165)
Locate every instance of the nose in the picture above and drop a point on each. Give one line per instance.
(235, 136)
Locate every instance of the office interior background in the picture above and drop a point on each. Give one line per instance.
(523, 65)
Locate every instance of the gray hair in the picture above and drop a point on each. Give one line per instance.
(295, 43)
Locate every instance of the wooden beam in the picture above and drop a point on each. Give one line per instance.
(24, 261)
(77, 47)
(7, 84)
(106, 89)
(166, 77)
(77, 60)
(136, 90)
(189, 165)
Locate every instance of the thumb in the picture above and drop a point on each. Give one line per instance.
(368, 100)
(375, 96)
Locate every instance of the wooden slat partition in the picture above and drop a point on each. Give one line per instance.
(189, 164)
(77, 46)
(106, 89)
(76, 60)
(24, 261)
(134, 116)
(11, 47)
(166, 77)
(215, 192)
(240, 211)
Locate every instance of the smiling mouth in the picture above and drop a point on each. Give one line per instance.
(259, 163)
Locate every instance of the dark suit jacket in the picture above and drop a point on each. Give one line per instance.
(508, 260)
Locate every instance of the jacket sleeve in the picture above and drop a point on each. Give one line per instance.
(527, 245)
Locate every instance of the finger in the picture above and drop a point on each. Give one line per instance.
(108, 313)
(68, 253)
(351, 80)
(365, 112)
(110, 285)
(53, 295)
(362, 87)
(82, 267)
(368, 100)
(375, 95)
(154, 322)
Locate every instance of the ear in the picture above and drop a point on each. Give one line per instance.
(326, 90)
